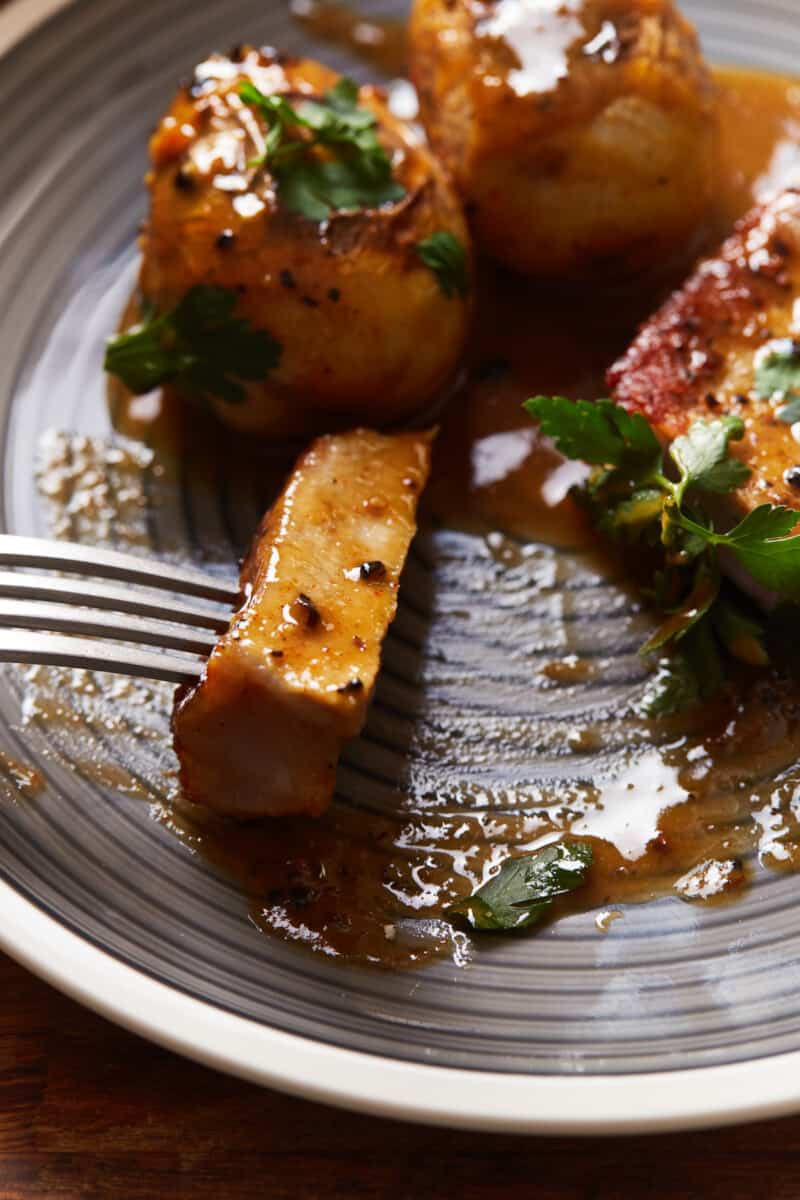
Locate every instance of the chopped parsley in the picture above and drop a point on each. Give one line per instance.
(200, 347)
(523, 890)
(447, 258)
(324, 154)
(639, 492)
(778, 376)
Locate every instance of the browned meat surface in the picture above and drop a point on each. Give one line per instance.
(697, 356)
(292, 678)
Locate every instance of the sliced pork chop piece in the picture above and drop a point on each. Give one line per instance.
(698, 355)
(291, 680)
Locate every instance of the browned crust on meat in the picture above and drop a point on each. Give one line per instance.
(696, 357)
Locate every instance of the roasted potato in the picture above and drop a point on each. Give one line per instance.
(368, 333)
(582, 136)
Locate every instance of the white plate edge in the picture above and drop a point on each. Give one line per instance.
(386, 1087)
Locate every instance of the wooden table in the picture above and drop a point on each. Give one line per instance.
(88, 1112)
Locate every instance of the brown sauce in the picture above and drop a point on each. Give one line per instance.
(18, 781)
(702, 793)
(378, 41)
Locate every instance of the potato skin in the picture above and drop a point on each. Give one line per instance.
(583, 137)
(367, 334)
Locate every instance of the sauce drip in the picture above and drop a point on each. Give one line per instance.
(696, 794)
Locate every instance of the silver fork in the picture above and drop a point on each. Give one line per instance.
(35, 610)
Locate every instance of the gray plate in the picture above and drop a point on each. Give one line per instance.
(673, 990)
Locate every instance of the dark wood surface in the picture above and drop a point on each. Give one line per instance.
(89, 1112)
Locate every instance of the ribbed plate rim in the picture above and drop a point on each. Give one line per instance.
(458, 1098)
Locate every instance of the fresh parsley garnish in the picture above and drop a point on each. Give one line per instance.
(778, 375)
(324, 154)
(200, 347)
(447, 258)
(637, 491)
(602, 433)
(524, 888)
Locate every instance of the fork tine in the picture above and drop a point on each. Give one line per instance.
(52, 650)
(111, 564)
(56, 588)
(62, 618)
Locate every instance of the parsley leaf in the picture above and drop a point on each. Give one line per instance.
(200, 347)
(680, 620)
(790, 413)
(324, 154)
(778, 370)
(631, 497)
(447, 258)
(701, 456)
(524, 888)
(761, 544)
(673, 688)
(603, 434)
(692, 673)
(741, 635)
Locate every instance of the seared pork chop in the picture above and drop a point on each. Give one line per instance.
(291, 679)
(698, 355)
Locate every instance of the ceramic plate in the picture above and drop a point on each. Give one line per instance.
(681, 1018)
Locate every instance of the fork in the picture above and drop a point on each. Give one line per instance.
(161, 632)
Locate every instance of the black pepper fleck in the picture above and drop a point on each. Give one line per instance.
(372, 570)
(792, 477)
(309, 301)
(740, 398)
(350, 688)
(276, 653)
(711, 400)
(334, 294)
(183, 182)
(226, 239)
(309, 611)
(287, 279)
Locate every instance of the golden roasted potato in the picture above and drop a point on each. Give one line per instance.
(369, 332)
(582, 135)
